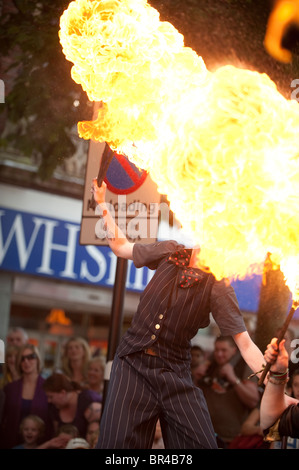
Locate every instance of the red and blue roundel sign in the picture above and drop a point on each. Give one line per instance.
(122, 176)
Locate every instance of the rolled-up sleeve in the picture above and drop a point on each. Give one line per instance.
(150, 254)
(225, 309)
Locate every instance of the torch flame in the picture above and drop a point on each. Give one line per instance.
(223, 145)
(289, 267)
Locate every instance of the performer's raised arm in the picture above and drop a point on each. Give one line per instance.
(117, 240)
(275, 401)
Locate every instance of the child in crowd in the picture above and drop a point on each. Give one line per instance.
(92, 433)
(32, 429)
(65, 433)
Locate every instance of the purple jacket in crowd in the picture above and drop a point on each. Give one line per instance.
(12, 412)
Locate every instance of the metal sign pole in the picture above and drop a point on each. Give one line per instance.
(116, 319)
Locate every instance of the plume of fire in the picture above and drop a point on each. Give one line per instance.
(289, 267)
(223, 145)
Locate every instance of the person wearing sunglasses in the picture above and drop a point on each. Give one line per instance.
(23, 397)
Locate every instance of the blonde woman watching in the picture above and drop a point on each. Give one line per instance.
(10, 372)
(95, 374)
(75, 359)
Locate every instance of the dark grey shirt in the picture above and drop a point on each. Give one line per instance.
(169, 316)
(289, 422)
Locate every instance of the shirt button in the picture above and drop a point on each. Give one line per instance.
(157, 326)
(153, 337)
(161, 316)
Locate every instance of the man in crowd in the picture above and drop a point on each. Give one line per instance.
(230, 395)
(17, 336)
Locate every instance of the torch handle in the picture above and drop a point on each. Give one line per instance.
(105, 162)
(279, 339)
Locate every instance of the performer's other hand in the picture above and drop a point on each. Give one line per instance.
(277, 356)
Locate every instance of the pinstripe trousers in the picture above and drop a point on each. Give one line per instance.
(144, 388)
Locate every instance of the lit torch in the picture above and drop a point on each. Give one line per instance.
(105, 162)
(290, 270)
(223, 145)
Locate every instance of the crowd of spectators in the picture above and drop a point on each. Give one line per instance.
(55, 410)
(234, 397)
(63, 409)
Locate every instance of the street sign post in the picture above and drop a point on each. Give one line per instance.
(131, 195)
(133, 201)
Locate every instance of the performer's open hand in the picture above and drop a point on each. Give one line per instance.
(277, 356)
(99, 193)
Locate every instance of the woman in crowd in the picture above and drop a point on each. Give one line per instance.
(75, 359)
(10, 371)
(23, 397)
(70, 404)
(95, 374)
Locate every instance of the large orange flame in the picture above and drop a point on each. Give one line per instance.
(223, 146)
(289, 267)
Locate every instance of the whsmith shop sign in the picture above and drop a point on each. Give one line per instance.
(49, 247)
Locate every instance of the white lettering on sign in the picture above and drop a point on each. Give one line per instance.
(17, 230)
(41, 246)
(100, 260)
(69, 249)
